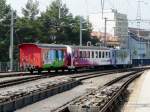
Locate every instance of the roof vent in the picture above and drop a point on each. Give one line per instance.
(89, 43)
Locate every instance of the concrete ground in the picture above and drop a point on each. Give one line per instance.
(139, 99)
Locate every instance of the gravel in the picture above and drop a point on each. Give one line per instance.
(13, 92)
(56, 101)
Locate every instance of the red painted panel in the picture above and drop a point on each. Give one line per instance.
(30, 55)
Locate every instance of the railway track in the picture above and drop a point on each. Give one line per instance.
(9, 101)
(42, 93)
(119, 92)
(13, 74)
(101, 100)
(81, 75)
(6, 81)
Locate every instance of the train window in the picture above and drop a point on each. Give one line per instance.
(103, 54)
(109, 54)
(92, 54)
(80, 54)
(89, 54)
(86, 54)
(100, 55)
(59, 55)
(62, 54)
(83, 54)
(96, 53)
(51, 54)
(106, 54)
(75, 54)
(56, 54)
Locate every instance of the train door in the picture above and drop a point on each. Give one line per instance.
(61, 57)
(113, 58)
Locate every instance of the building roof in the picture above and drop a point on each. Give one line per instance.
(113, 40)
(143, 33)
(134, 36)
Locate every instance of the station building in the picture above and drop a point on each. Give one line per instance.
(139, 45)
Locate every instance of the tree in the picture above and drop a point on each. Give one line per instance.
(31, 9)
(28, 27)
(4, 30)
(65, 29)
(52, 24)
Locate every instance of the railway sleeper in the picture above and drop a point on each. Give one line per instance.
(18, 103)
(117, 104)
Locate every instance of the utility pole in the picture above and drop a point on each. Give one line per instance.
(80, 31)
(11, 40)
(60, 3)
(105, 34)
(138, 18)
(102, 6)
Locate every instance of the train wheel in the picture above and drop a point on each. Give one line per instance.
(76, 70)
(69, 70)
(49, 71)
(56, 71)
(31, 71)
(39, 71)
(63, 70)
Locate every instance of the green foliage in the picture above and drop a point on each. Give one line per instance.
(27, 30)
(46, 27)
(4, 30)
(31, 9)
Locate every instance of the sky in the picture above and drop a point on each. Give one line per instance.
(92, 8)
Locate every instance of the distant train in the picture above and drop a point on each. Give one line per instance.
(39, 57)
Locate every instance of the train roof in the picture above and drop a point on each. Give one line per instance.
(45, 45)
(91, 47)
(65, 46)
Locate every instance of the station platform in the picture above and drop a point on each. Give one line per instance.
(139, 99)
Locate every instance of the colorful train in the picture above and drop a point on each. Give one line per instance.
(39, 57)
